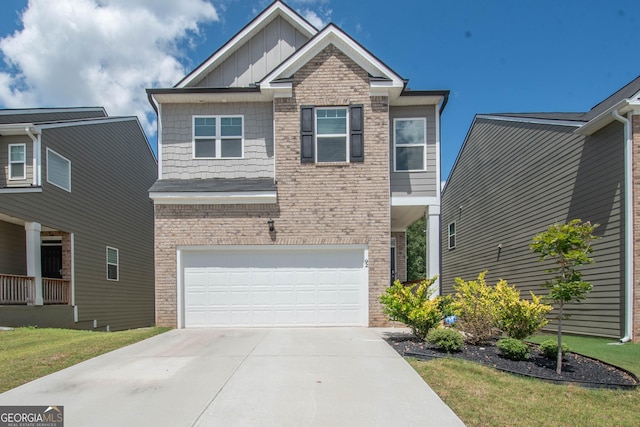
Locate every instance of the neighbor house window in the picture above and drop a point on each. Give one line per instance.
(17, 161)
(218, 137)
(331, 135)
(112, 264)
(452, 235)
(58, 170)
(409, 140)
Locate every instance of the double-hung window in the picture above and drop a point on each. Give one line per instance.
(17, 161)
(218, 137)
(452, 235)
(113, 264)
(331, 135)
(409, 140)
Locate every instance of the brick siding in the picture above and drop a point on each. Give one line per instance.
(636, 228)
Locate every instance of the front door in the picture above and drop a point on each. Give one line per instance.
(51, 259)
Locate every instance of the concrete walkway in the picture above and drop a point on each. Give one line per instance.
(243, 377)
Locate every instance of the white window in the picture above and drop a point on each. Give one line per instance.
(218, 137)
(58, 170)
(410, 142)
(17, 161)
(452, 235)
(331, 135)
(113, 264)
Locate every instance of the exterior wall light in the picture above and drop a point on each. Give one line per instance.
(272, 228)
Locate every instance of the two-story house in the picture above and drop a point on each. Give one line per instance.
(519, 173)
(291, 162)
(76, 223)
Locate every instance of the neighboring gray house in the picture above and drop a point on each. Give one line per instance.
(291, 163)
(76, 224)
(516, 174)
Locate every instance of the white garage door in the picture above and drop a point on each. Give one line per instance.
(282, 286)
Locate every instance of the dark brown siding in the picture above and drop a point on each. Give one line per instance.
(112, 168)
(511, 181)
(12, 249)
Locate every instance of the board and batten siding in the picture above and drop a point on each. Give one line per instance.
(514, 179)
(112, 168)
(177, 142)
(257, 57)
(415, 183)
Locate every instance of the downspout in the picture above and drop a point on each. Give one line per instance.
(628, 225)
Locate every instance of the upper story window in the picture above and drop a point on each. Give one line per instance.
(452, 235)
(17, 161)
(58, 170)
(331, 134)
(113, 264)
(331, 137)
(410, 144)
(218, 137)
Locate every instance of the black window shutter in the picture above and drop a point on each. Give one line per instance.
(306, 135)
(356, 133)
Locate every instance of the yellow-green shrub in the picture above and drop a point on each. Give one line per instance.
(474, 304)
(413, 306)
(518, 318)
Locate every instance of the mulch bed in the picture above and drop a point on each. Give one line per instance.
(576, 369)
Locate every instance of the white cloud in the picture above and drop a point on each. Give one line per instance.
(313, 18)
(98, 53)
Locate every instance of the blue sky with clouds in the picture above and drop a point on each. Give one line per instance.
(494, 55)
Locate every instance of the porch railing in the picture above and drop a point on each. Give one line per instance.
(21, 290)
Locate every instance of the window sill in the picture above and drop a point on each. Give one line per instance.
(332, 164)
(25, 189)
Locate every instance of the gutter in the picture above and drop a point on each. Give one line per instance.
(628, 224)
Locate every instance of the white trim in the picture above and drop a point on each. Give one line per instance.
(277, 8)
(20, 190)
(415, 201)
(159, 137)
(68, 161)
(23, 162)
(438, 156)
(218, 138)
(433, 250)
(72, 239)
(179, 289)
(423, 145)
(117, 264)
(346, 135)
(83, 122)
(212, 198)
(532, 120)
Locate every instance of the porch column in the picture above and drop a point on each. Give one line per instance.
(34, 266)
(433, 245)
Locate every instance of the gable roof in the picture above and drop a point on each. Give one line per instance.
(277, 8)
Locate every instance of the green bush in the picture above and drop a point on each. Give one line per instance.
(549, 349)
(447, 339)
(413, 306)
(513, 349)
(518, 318)
(475, 306)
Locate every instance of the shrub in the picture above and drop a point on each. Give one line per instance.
(412, 306)
(513, 349)
(549, 349)
(474, 305)
(446, 339)
(518, 318)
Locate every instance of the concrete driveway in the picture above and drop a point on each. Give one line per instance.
(243, 377)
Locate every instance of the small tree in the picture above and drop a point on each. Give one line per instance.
(569, 246)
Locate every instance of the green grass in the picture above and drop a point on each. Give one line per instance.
(626, 356)
(482, 396)
(30, 353)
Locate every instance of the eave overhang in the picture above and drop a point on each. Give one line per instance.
(603, 119)
(18, 129)
(214, 198)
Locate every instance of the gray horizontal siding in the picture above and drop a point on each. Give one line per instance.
(257, 57)
(415, 183)
(177, 142)
(12, 249)
(511, 181)
(112, 168)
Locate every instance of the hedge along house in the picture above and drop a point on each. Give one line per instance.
(291, 163)
(516, 174)
(76, 224)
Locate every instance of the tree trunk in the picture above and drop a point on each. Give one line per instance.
(559, 358)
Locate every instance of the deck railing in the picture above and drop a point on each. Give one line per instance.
(21, 290)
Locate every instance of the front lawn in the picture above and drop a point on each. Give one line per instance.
(30, 353)
(482, 396)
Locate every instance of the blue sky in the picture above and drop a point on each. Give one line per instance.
(494, 56)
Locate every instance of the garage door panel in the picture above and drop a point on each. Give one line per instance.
(276, 287)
